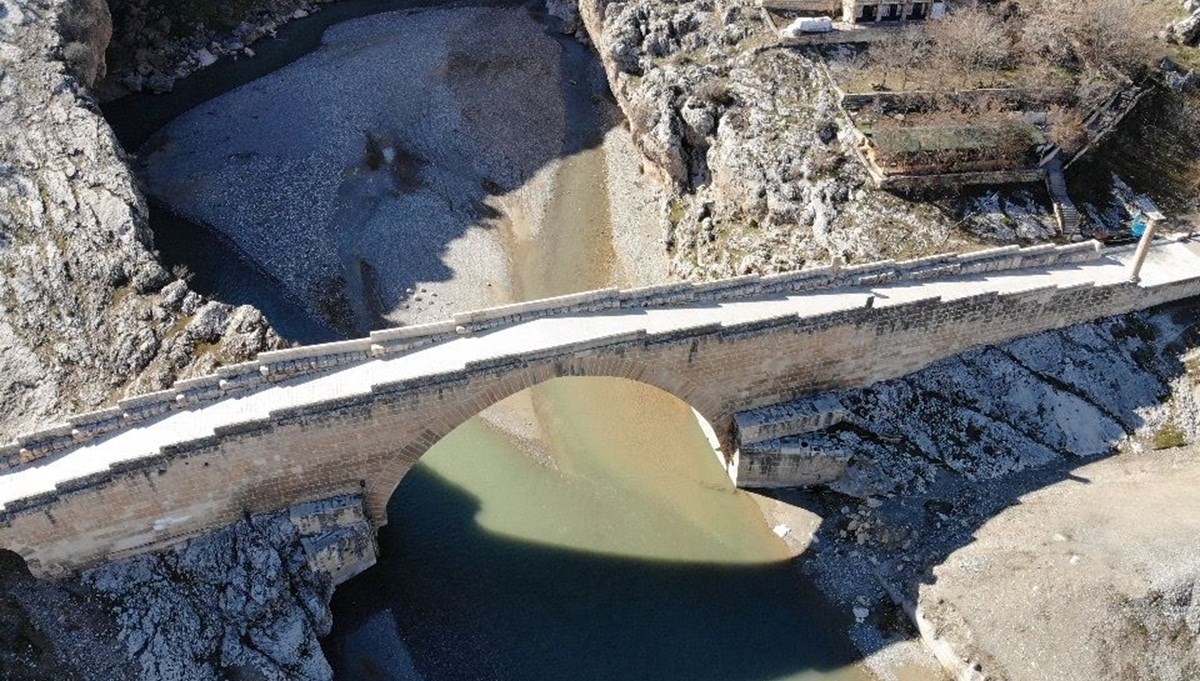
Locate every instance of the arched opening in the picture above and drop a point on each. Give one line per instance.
(581, 529)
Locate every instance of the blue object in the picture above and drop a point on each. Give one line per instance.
(1139, 227)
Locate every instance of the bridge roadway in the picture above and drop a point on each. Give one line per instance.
(1167, 264)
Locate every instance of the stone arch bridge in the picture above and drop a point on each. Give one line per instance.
(309, 423)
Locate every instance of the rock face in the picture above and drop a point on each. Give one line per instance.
(54, 631)
(242, 602)
(86, 313)
(1187, 29)
(749, 134)
(991, 412)
(246, 602)
(982, 484)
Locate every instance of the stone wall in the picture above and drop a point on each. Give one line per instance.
(367, 443)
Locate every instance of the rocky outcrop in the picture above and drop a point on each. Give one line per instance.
(54, 631)
(86, 312)
(955, 474)
(246, 602)
(1186, 30)
(86, 29)
(994, 411)
(155, 44)
(749, 135)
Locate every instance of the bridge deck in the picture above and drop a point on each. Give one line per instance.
(1166, 263)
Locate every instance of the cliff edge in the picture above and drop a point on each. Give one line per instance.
(749, 135)
(87, 314)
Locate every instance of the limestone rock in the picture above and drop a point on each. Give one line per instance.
(86, 312)
(245, 602)
(990, 412)
(240, 602)
(1186, 30)
(747, 134)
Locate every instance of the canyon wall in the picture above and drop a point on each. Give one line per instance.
(87, 314)
(751, 138)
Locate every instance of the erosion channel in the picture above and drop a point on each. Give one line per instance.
(414, 162)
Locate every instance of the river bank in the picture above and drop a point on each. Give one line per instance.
(404, 200)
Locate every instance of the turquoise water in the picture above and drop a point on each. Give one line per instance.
(605, 544)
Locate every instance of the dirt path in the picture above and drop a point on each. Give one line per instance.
(1089, 578)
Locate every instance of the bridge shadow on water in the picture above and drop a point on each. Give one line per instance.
(476, 605)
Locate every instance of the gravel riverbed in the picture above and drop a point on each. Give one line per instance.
(397, 173)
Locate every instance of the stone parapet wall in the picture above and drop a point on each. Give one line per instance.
(366, 443)
(278, 365)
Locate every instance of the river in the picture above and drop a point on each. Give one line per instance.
(582, 529)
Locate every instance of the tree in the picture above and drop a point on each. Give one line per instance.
(1116, 34)
(970, 41)
(901, 51)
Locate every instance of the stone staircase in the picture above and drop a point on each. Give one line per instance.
(1064, 208)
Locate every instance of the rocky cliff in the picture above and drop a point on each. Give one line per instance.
(1049, 480)
(87, 314)
(246, 602)
(748, 133)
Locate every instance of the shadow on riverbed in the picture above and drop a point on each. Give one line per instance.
(277, 175)
(476, 605)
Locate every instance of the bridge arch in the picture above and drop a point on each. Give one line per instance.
(273, 441)
(457, 409)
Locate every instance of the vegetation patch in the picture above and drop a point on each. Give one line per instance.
(1169, 436)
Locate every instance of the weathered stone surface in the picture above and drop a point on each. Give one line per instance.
(1187, 29)
(1076, 392)
(748, 134)
(83, 312)
(245, 602)
(52, 631)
